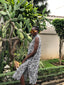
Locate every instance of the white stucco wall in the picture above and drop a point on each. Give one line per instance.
(49, 43)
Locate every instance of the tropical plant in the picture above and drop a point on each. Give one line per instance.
(59, 27)
(41, 5)
(18, 18)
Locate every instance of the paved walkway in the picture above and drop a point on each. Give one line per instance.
(54, 82)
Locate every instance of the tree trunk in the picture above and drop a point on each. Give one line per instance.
(12, 48)
(60, 48)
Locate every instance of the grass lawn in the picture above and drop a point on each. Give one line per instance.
(49, 63)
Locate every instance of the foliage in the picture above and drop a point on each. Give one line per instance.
(41, 65)
(47, 64)
(44, 73)
(41, 5)
(1, 61)
(23, 14)
(59, 27)
(19, 16)
(53, 60)
(4, 60)
(21, 51)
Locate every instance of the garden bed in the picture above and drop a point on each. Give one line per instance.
(56, 62)
(52, 62)
(44, 74)
(47, 73)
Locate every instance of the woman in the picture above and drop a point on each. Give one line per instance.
(30, 64)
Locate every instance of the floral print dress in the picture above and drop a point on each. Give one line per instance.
(30, 67)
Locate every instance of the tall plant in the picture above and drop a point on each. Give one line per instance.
(40, 4)
(59, 27)
(19, 16)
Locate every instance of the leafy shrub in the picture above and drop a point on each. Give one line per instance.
(59, 27)
(2, 62)
(19, 16)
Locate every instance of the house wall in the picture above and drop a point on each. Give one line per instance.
(49, 46)
(49, 43)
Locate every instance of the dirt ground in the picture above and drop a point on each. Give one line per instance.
(57, 63)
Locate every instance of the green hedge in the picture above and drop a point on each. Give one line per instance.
(42, 72)
(59, 27)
